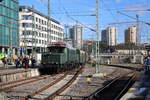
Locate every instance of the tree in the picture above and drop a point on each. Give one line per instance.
(103, 47)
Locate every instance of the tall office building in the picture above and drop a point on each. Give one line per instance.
(76, 36)
(130, 35)
(103, 36)
(111, 36)
(9, 39)
(34, 33)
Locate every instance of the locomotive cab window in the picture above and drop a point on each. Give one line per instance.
(56, 49)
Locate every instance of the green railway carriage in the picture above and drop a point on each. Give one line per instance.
(72, 57)
(60, 57)
(56, 55)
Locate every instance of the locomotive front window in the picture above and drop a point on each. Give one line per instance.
(56, 49)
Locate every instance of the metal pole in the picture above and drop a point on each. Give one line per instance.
(25, 39)
(137, 30)
(97, 38)
(49, 24)
(10, 41)
(137, 34)
(32, 27)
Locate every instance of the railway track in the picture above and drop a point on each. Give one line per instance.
(127, 67)
(52, 96)
(115, 88)
(13, 84)
(81, 88)
(9, 85)
(56, 92)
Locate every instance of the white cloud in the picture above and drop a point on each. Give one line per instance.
(118, 1)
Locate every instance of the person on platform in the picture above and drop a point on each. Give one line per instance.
(33, 61)
(5, 62)
(26, 60)
(147, 67)
(22, 61)
(18, 63)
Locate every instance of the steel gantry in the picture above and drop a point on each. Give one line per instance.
(97, 37)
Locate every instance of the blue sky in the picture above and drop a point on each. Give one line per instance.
(107, 14)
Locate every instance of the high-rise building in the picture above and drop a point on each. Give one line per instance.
(111, 36)
(130, 35)
(103, 36)
(76, 36)
(35, 31)
(9, 39)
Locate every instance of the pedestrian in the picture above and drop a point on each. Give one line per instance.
(26, 60)
(18, 62)
(22, 62)
(5, 62)
(147, 67)
(33, 61)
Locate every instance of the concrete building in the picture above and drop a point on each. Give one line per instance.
(76, 36)
(34, 33)
(111, 36)
(130, 35)
(9, 40)
(103, 36)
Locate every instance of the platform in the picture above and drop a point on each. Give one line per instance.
(12, 73)
(140, 90)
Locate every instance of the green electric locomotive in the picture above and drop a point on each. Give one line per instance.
(61, 57)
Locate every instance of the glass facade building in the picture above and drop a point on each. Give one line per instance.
(9, 25)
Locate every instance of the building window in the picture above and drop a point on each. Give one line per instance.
(24, 9)
(36, 40)
(29, 25)
(39, 41)
(27, 17)
(40, 21)
(39, 34)
(36, 19)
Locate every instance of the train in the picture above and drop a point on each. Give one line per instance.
(60, 57)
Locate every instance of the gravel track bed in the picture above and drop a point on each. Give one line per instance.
(52, 89)
(21, 91)
(28, 80)
(80, 88)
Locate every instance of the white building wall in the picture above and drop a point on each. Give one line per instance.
(40, 30)
(77, 36)
(133, 34)
(111, 36)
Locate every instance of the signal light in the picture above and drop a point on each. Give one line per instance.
(1, 0)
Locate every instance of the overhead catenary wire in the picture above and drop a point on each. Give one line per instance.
(77, 20)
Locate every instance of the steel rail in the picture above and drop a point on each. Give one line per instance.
(17, 81)
(100, 90)
(24, 83)
(127, 85)
(52, 96)
(47, 86)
